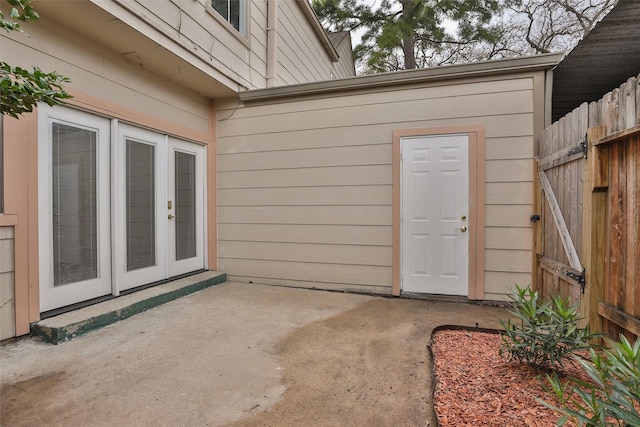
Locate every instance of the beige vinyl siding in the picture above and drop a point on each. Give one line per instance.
(7, 289)
(300, 56)
(221, 47)
(344, 67)
(258, 44)
(303, 183)
(106, 76)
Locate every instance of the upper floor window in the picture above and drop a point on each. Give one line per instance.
(233, 11)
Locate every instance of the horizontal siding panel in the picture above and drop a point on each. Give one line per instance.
(513, 193)
(380, 129)
(339, 215)
(298, 47)
(494, 103)
(7, 254)
(310, 253)
(509, 148)
(306, 196)
(344, 116)
(509, 238)
(370, 235)
(320, 157)
(308, 177)
(508, 260)
(304, 139)
(500, 282)
(309, 272)
(201, 32)
(433, 92)
(343, 68)
(371, 114)
(508, 215)
(509, 170)
(106, 77)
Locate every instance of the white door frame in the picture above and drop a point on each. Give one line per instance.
(437, 261)
(177, 267)
(113, 276)
(52, 297)
(124, 279)
(476, 231)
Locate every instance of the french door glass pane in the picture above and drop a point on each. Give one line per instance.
(185, 198)
(74, 184)
(140, 205)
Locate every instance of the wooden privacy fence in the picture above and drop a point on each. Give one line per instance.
(588, 240)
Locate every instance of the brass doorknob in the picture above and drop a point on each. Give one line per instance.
(463, 228)
(171, 216)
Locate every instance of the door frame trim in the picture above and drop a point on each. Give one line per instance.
(477, 180)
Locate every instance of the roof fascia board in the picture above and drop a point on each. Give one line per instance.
(446, 72)
(311, 16)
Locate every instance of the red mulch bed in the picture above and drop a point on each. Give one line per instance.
(476, 387)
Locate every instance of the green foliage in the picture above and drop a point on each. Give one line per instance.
(406, 34)
(612, 397)
(544, 334)
(20, 10)
(20, 89)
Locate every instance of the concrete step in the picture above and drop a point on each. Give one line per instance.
(72, 324)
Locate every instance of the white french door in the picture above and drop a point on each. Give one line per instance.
(434, 210)
(74, 210)
(120, 207)
(185, 207)
(140, 223)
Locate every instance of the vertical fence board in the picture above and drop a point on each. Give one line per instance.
(614, 111)
(600, 203)
(633, 229)
(605, 119)
(638, 99)
(628, 90)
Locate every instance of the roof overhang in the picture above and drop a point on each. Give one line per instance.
(313, 20)
(143, 46)
(423, 75)
(607, 57)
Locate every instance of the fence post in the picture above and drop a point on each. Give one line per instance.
(594, 219)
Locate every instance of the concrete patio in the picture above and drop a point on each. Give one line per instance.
(239, 354)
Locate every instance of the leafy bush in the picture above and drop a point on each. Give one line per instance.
(544, 334)
(613, 397)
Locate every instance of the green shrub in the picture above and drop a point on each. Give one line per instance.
(543, 334)
(613, 396)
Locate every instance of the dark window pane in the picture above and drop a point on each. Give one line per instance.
(75, 238)
(234, 13)
(140, 205)
(222, 7)
(185, 197)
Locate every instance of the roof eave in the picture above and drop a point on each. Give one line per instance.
(447, 72)
(313, 20)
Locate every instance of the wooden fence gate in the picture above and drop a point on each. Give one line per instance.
(588, 240)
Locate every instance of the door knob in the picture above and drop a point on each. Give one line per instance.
(170, 216)
(463, 228)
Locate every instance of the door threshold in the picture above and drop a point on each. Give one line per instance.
(69, 325)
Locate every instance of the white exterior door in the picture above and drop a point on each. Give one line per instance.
(74, 215)
(185, 207)
(120, 207)
(140, 196)
(434, 210)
